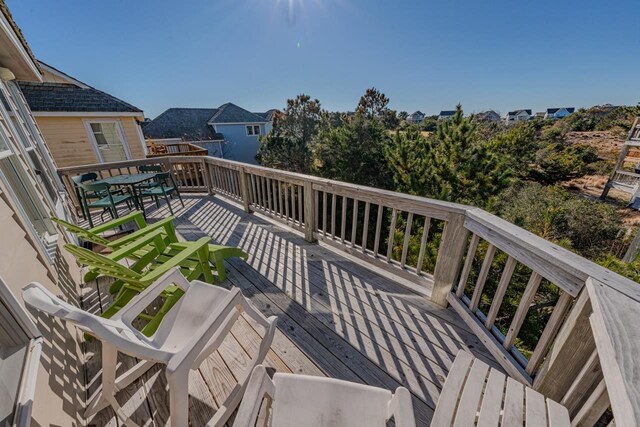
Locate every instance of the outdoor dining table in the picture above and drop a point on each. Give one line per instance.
(131, 181)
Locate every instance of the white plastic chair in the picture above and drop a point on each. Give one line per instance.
(194, 328)
(306, 401)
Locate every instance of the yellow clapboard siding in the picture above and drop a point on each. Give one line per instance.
(70, 144)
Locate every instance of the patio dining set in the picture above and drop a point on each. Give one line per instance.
(127, 189)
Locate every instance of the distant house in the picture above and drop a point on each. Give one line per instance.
(518, 116)
(558, 113)
(415, 118)
(539, 115)
(446, 114)
(228, 131)
(82, 125)
(488, 116)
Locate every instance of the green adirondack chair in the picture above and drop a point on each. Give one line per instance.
(191, 257)
(217, 253)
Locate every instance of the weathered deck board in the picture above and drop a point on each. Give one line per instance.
(336, 318)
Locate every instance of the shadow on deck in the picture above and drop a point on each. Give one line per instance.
(336, 318)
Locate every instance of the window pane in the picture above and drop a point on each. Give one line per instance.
(256, 130)
(109, 142)
(249, 130)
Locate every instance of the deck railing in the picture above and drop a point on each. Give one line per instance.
(586, 355)
(175, 149)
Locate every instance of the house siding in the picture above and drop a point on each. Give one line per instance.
(239, 146)
(70, 144)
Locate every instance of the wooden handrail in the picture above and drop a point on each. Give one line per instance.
(377, 225)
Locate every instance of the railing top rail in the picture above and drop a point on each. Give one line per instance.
(573, 268)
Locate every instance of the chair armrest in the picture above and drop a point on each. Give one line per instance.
(184, 358)
(259, 387)
(192, 249)
(124, 251)
(401, 408)
(130, 312)
(166, 224)
(136, 216)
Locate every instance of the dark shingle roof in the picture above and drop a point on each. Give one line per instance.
(447, 113)
(190, 124)
(513, 113)
(554, 110)
(231, 113)
(267, 115)
(56, 97)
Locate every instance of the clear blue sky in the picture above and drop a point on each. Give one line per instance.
(423, 54)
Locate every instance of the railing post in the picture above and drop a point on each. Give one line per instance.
(573, 346)
(454, 240)
(309, 212)
(244, 190)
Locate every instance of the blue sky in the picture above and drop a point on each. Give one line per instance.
(423, 54)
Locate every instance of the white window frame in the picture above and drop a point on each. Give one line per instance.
(251, 130)
(94, 142)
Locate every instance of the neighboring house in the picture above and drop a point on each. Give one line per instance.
(83, 125)
(446, 114)
(37, 386)
(488, 116)
(558, 113)
(518, 116)
(415, 118)
(228, 131)
(539, 115)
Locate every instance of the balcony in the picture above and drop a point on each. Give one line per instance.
(174, 149)
(360, 305)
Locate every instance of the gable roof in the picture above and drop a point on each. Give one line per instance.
(555, 110)
(190, 124)
(447, 112)
(417, 113)
(231, 113)
(268, 115)
(516, 112)
(18, 33)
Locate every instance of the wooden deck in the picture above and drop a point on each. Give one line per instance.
(336, 318)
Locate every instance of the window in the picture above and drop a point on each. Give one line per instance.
(253, 130)
(109, 141)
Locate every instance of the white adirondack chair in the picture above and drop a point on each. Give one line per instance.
(475, 393)
(306, 401)
(188, 334)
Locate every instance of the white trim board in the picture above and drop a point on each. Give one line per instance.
(87, 114)
(19, 48)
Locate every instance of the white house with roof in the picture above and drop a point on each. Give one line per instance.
(416, 117)
(447, 114)
(558, 113)
(518, 116)
(228, 131)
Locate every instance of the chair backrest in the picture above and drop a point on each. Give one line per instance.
(94, 186)
(103, 265)
(83, 234)
(520, 405)
(311, 400)
(79, 179)
(164, 178)
(114, 332)
(150, 168)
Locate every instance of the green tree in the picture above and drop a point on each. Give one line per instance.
(353, 152)
(372, 104)
(450, 165)
(287, 145)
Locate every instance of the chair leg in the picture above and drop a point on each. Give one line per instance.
(178, 397)
(179, 197)
(166, 199)
(157, 201)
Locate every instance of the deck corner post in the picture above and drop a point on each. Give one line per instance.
(450, 252)
(309, 212)
(570, 351)
(244, 190)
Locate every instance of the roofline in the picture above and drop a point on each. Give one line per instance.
(63, 75)
(88, 114)
(13, 32)
(264, 122)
